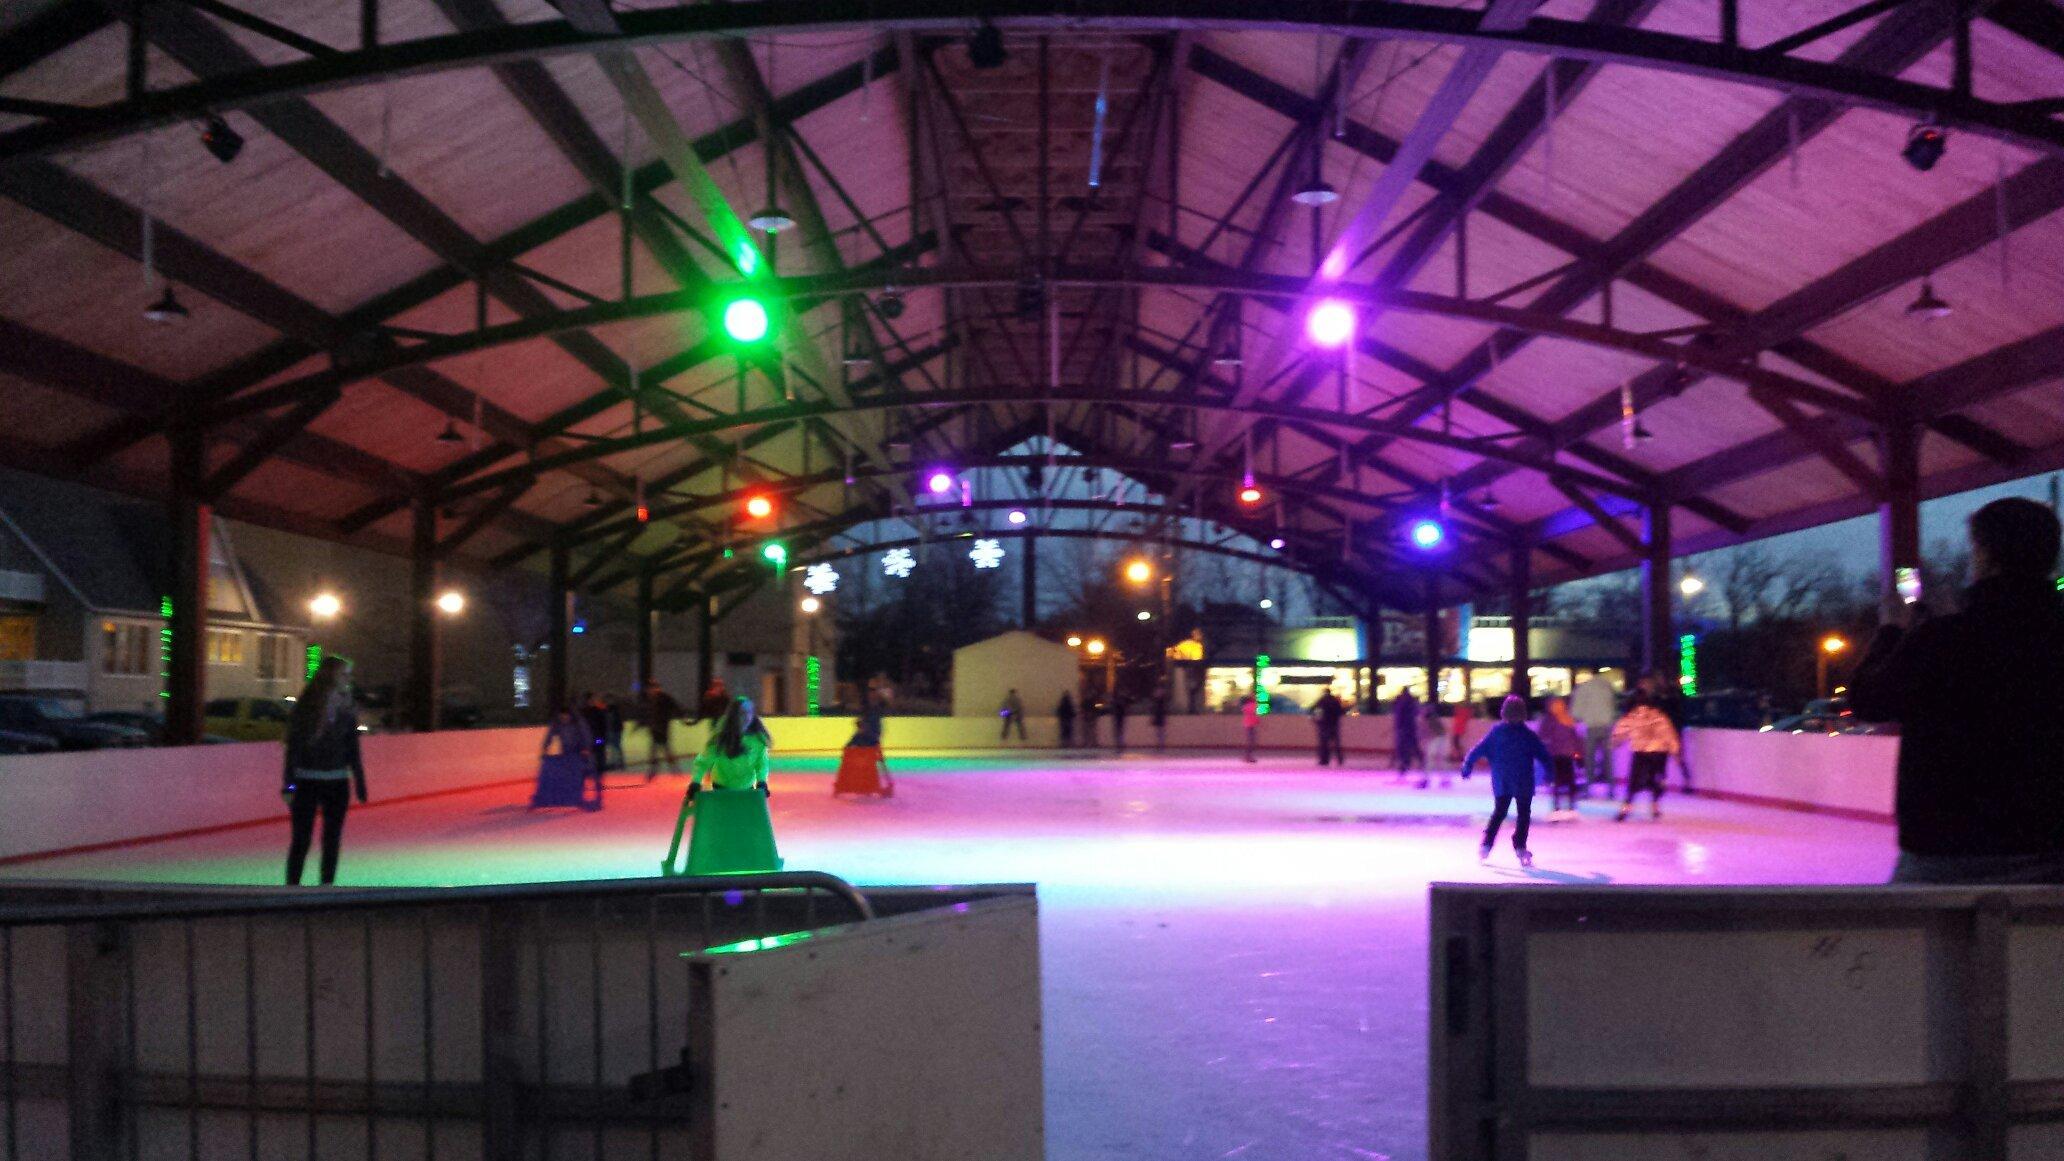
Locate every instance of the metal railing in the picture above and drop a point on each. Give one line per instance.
(499, 1022)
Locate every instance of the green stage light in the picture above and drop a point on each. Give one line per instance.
(745, 320)
(776, 553)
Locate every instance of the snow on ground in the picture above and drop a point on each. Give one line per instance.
(1234, 955)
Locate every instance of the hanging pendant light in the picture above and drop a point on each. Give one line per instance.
(771, 220)
(450, 434)
(1928, 305)
(167, 309)
(1316, 192)
(592, 500)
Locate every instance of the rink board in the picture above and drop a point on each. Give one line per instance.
(1643, 1024)
(452, 1024)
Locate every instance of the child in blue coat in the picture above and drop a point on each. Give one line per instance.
(1513, 751)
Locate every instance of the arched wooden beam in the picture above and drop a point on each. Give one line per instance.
(814, 288)
(1632, 46)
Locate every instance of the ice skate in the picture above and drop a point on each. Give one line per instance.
(1483, 853)
(1526, 858)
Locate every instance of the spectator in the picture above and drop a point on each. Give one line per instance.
(1653, 739)
(1012, 711)
(1064, 717)
(1976, 695)
(594, 715)
(1326, 715)
(1513, 752)
(1119, 706)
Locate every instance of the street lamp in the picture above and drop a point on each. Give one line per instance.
(451, 602)
(1074, 641)
(1096, 647)
(1830, 646)
(810, 604)
(1138, 571)
(325, 606)
(1145, 615)
(1691, 586)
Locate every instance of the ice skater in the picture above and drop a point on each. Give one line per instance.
(1250, 723)
(1404, 734)
(1559, 733)
(862, 767)
(1653, 739)
(1513, 752)
(1064, 719)
(733, 831)
(660, 711)
(323, 767)
(567, 762)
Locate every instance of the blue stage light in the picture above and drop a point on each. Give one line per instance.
(1428, 534)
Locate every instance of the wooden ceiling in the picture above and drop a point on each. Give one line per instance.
(514, 219)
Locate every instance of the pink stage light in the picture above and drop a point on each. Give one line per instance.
(1330, 324)
(940, 483)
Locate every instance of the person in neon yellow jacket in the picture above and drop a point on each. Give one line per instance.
(733, 831)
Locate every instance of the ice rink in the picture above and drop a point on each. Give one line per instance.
(1234, 954)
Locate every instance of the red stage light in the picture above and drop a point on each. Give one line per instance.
(759, 507)
(1250, 495)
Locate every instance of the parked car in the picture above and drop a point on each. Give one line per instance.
(24, 742)
(149, 723)
(53, 718)
(248, 719)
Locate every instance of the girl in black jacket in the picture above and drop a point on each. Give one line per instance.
(322, 766)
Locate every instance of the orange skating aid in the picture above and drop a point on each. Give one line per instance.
(863, 770)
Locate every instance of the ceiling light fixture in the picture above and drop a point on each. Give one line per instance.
(771, 220)
(450, 434)
(1928, 305)
(220, 139)
(1925, 145)
(890, 304)
(168, 308)
(1317, 192)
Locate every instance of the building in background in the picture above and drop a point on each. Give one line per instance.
(83, 578)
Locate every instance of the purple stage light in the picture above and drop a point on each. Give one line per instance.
(1331, 323)
(940, 482)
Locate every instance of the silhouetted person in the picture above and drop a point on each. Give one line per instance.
(1250, 721)
(1326, 715)
(1012, 711)
(660, 711)
(1119, 708)
(1064, 717)
(1979, 698)
(1157, 716)
(594, 714)
(716, 698)
(322, 767)
(1404, 734)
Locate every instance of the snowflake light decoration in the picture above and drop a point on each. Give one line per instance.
(898, 562)
(987, 553)
(820, 578)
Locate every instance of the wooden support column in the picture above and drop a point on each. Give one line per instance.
(1028, 584)
(1899, 504)
(648, 624)
(1372, 652)
(1658, 636)
(557, 633)
(1433, 649)
(1522, 620)
(423, 624)
(706, 661)
(186, 681)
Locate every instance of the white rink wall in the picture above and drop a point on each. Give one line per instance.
(62, 802)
